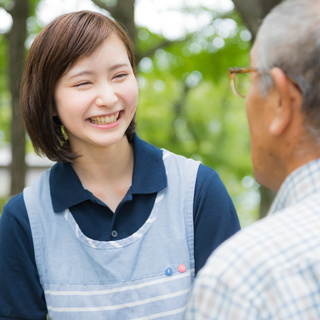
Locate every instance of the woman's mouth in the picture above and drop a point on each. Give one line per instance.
(100, 120)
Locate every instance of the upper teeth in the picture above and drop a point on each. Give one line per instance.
(105, 119)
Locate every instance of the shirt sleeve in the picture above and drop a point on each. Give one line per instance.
(21, 295)
(215, 217)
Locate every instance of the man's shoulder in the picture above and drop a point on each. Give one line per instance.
(266, 248)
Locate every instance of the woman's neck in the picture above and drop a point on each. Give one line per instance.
(107, 173)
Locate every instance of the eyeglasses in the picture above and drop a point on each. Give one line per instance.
(240, 80)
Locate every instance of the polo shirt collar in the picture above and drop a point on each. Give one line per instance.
(149, 176)
(65, 187)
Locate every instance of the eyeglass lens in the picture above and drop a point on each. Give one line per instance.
(242, 83)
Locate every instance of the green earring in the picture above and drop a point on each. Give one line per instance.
(64, 133)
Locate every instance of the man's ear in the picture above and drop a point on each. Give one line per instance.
(283, 102)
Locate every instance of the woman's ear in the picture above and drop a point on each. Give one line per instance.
(283, 102)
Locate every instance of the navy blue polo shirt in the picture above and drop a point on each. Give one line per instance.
(21, 295)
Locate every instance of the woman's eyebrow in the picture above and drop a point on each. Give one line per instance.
(118, 65)
(76, 73)
(79, 73)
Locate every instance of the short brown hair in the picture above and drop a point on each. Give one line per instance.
(56, 48)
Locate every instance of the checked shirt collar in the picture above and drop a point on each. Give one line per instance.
(300, 184)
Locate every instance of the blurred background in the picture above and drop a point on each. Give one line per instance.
(183, 51)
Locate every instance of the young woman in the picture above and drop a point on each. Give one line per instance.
(117, 228)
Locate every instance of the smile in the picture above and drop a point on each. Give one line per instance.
(105, 119)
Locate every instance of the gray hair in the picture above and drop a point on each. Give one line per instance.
(289, 38)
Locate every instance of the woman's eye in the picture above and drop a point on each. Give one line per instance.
(120, 75)
(82, 84)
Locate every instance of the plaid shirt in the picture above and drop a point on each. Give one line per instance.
(271, 269)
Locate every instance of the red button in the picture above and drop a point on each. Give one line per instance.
(182, 268)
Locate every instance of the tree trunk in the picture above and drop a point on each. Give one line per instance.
(124, 13)
(17, 37)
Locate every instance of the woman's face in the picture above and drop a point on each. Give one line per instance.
(97, 98)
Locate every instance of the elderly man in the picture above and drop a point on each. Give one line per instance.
(271, 269)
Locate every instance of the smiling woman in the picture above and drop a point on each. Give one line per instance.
(51, 61)
(117, 228)
(97, 98)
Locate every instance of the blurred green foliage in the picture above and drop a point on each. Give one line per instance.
(186, 105)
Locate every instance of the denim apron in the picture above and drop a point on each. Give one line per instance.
(147, 275)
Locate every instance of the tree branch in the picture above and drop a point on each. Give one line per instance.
(151, 51)
(9, 7)
(164, 44)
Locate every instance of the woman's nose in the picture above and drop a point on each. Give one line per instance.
(106, 97)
